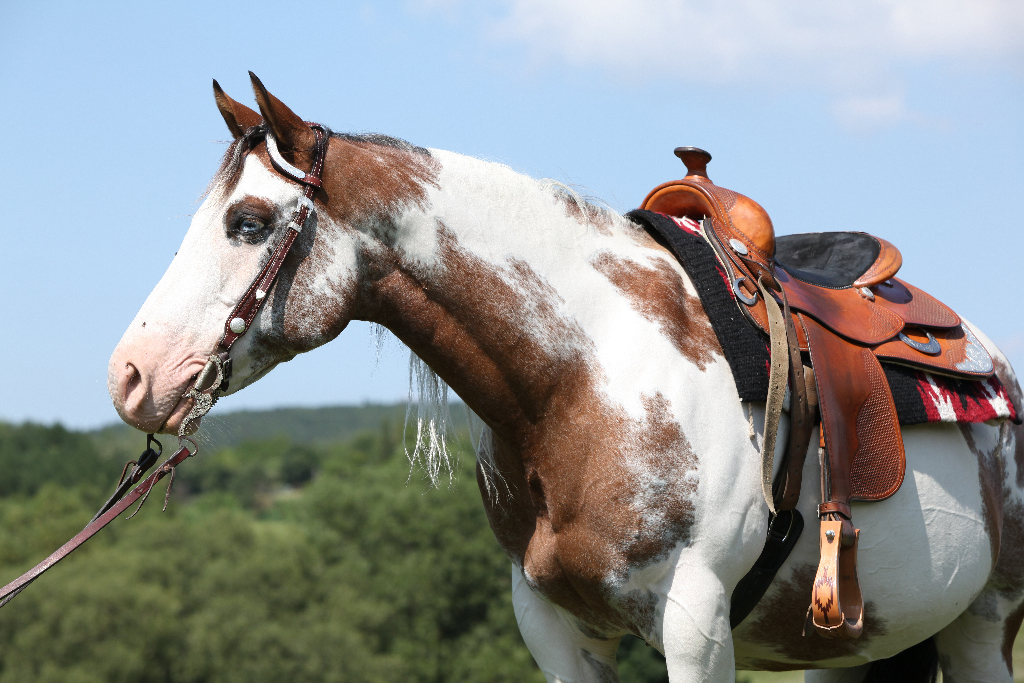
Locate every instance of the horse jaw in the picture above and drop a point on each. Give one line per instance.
(182, 320)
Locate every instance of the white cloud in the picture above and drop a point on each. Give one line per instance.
(853, 49)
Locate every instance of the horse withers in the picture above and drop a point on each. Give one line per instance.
(621, 470)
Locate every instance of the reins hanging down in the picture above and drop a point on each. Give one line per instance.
(211, 381)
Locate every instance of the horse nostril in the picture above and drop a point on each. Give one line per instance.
(134, 378)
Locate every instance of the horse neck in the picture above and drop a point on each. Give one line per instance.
(505, 287)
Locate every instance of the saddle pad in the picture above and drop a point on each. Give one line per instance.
(919, 396)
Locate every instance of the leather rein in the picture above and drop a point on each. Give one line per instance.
(211, 382)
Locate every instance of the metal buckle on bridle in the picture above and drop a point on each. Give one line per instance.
(308, 203)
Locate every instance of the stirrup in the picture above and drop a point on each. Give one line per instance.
(837, 605)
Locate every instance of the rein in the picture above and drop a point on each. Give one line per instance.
(210, 383)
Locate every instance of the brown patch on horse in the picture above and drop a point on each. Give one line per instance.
(364, 184)
(780, 623)
(990, 474)
(627, 488)
(1008, 377)
(1009, 380)
(660, 296)
(1010, 629)
(368, 181)
(1018, 460)
(1008, 573)
(587, 491)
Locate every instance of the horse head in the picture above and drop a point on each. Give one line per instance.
(232, 237)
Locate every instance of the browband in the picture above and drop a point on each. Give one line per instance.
(284, 167)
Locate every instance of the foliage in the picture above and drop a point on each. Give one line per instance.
(276, 561)
(32, 455)
(319, 426)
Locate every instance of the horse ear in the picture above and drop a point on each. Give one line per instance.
(238, 116)
(290, 132)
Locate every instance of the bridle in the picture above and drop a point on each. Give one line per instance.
(212, 381)
(204, 392)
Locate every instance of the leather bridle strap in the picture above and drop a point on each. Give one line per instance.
(8, 592)
(245, 311)
(238, 321)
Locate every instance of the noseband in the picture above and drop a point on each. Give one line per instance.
(212, 380)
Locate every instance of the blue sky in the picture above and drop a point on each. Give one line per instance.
(902, 119)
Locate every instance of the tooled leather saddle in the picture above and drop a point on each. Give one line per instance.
(833, 307)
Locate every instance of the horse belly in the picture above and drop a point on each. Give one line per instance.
(924, 555)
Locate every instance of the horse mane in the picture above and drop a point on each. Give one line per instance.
(434, 423)
(591, 209)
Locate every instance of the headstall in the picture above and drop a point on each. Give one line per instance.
(212, 380)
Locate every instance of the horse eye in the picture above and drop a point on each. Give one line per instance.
(250, 229)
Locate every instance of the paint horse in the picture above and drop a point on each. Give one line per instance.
(621, 471)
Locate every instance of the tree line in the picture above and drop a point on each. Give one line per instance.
(276, 560)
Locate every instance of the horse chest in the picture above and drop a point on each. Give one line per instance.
(581, 532)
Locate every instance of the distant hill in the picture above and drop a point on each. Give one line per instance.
(300, 425)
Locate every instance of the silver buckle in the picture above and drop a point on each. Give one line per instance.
(305, 201)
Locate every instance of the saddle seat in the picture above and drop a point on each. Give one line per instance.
(837, 260)
(843, 310)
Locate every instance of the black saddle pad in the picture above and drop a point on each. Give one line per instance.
(827, 259)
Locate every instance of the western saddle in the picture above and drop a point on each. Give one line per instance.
(832, 307)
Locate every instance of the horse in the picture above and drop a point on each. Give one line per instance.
(619, 470)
